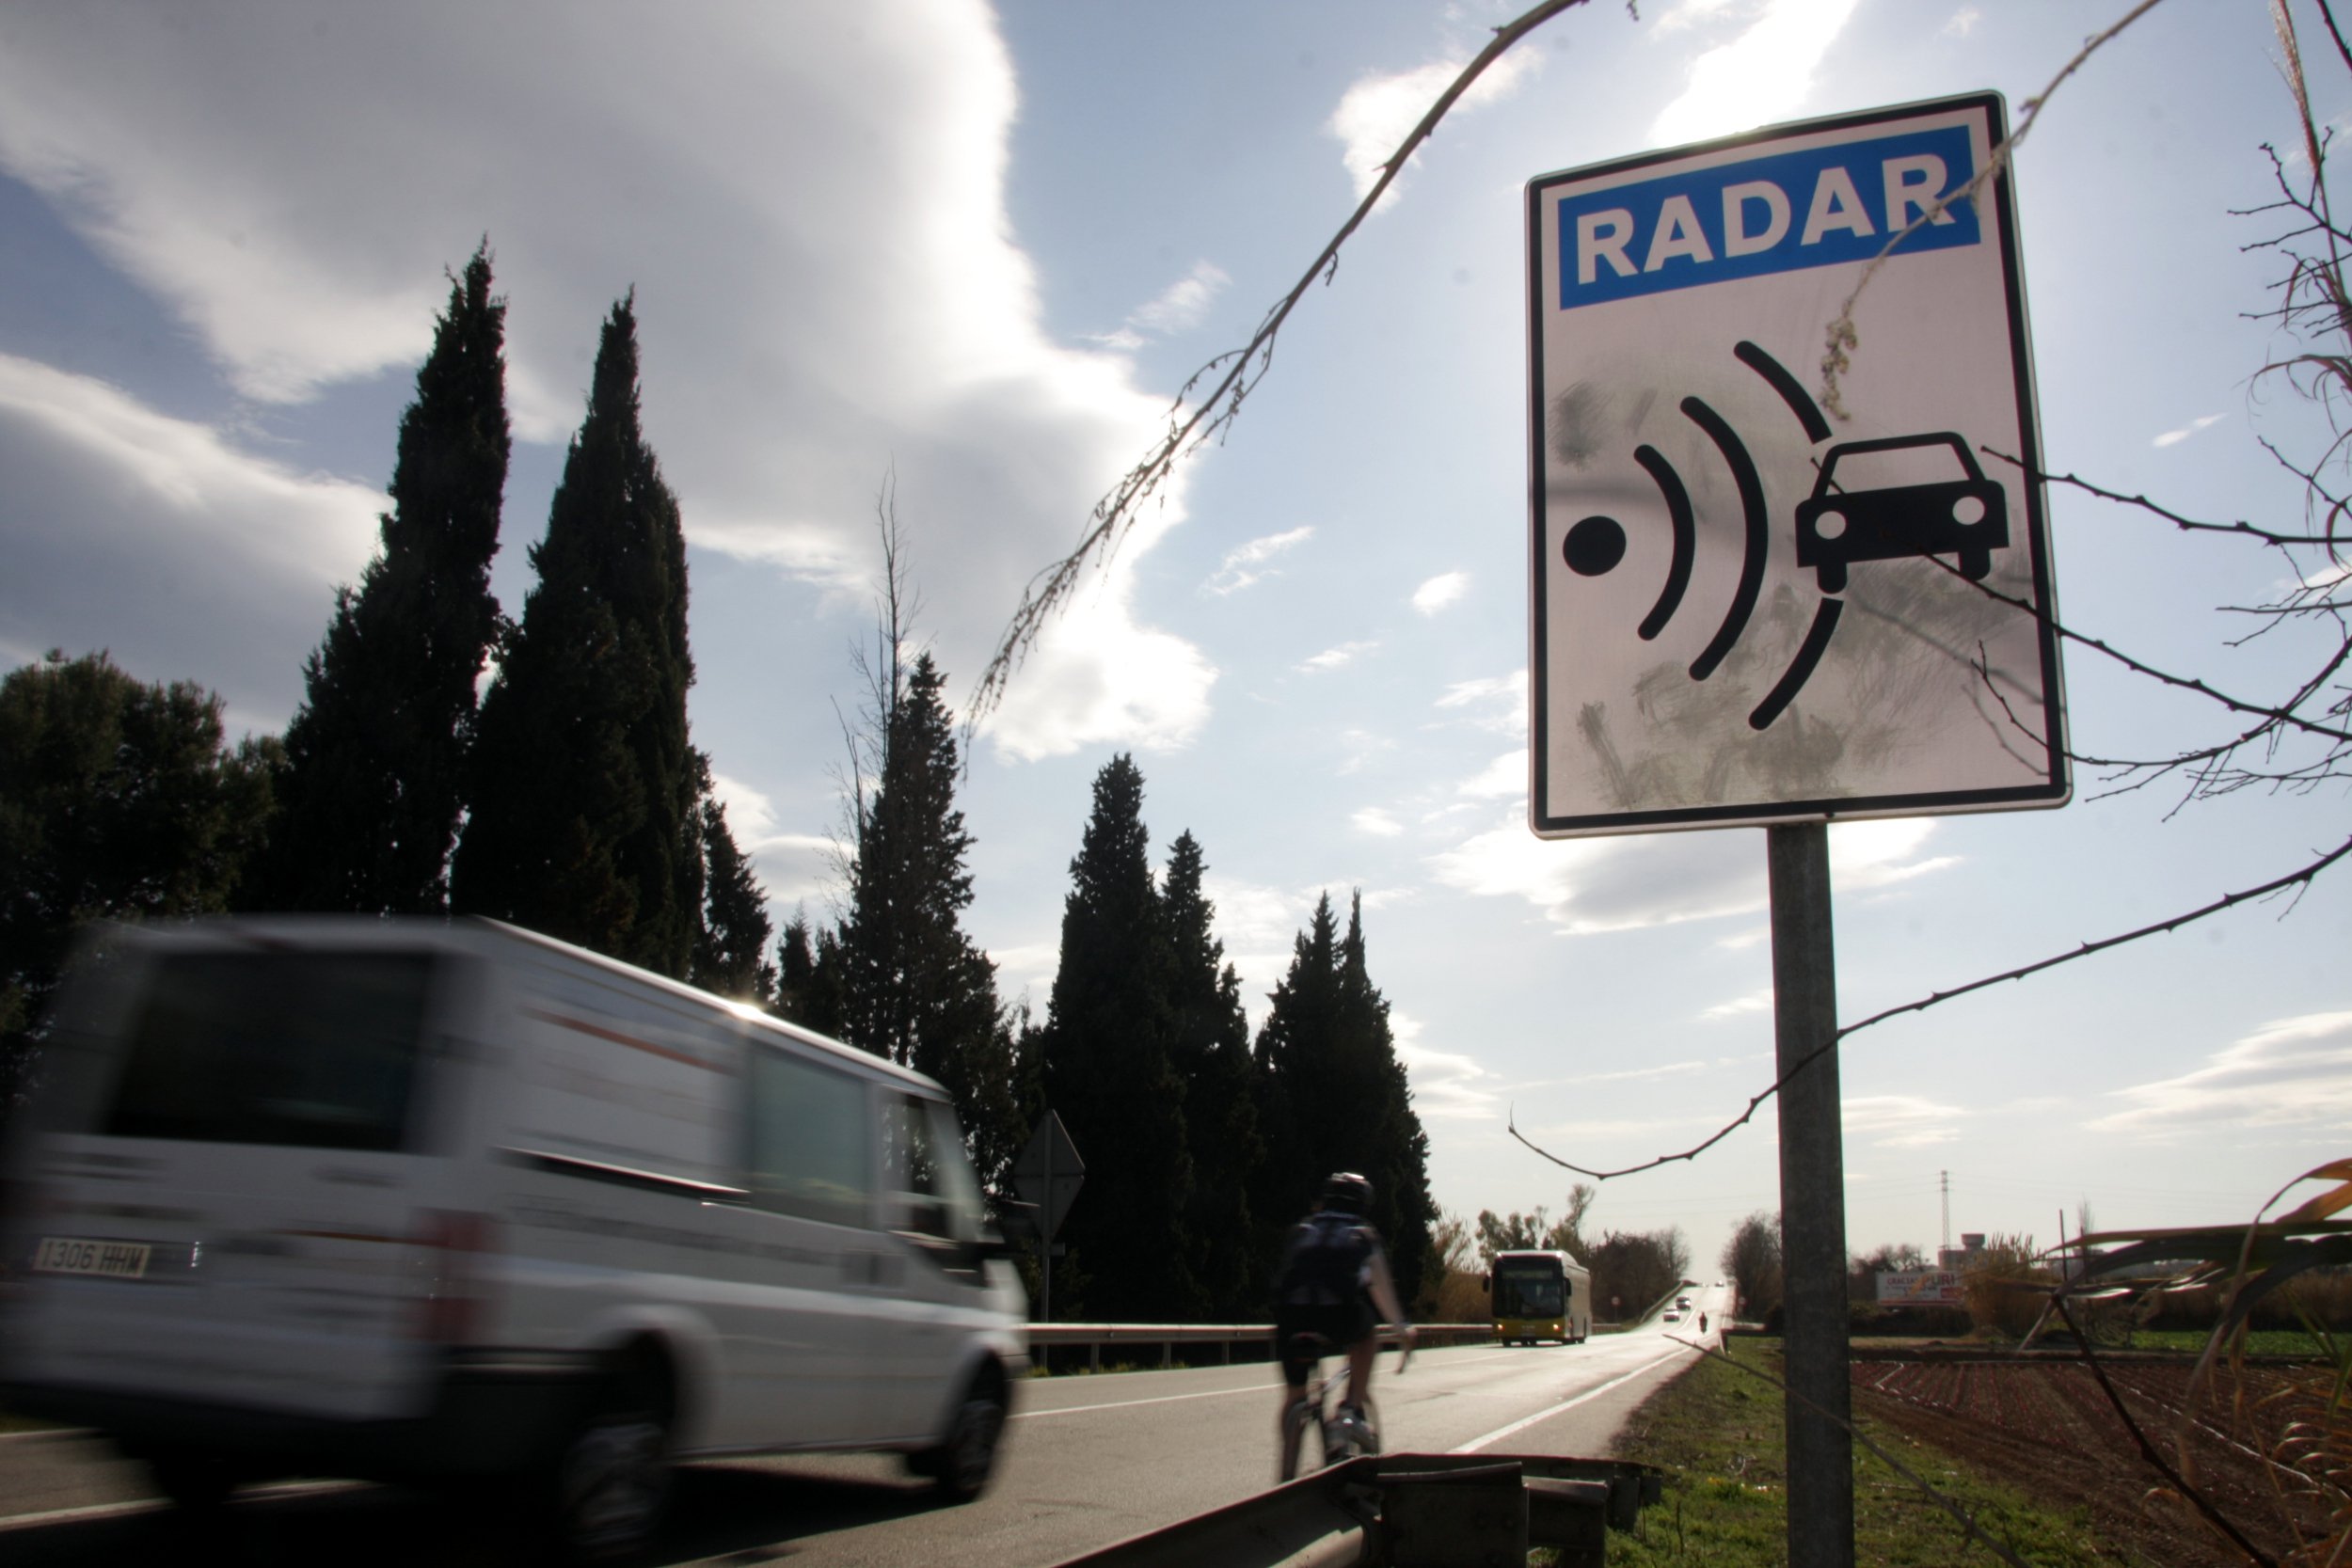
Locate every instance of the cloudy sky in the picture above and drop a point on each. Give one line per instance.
(975, 254)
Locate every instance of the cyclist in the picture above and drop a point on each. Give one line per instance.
(1333, 1274)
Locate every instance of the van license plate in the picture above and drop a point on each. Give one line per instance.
(76, 1254)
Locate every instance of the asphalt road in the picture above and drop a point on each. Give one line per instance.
(1088, 1461)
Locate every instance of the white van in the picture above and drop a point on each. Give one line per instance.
(409, 1201)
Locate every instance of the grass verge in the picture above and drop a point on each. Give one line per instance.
(1716, 1432)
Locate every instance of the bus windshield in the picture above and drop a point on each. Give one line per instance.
(1532, 1288)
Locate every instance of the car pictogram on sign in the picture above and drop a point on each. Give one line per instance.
(1964, 517)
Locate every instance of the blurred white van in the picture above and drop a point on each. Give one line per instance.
(421, 1201)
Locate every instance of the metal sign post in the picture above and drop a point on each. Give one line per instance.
(1755, 600)
(1812, 1200)
(1048, 1176)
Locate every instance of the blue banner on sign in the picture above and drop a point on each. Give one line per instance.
(1815, 208)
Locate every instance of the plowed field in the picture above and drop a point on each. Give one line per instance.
(2046, 1427)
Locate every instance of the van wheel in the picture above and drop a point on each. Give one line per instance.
(962, 1466)
(612, 1480)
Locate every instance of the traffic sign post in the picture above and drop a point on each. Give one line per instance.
(1047, 1177)
(1758, 600)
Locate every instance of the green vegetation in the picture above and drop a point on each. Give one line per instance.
(119, 800)
(2259, 1341)
(1716, 1432)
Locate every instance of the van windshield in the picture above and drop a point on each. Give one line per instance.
(314, 1050)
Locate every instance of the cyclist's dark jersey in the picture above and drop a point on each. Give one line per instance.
(1323, 1287)
(1327, 1261)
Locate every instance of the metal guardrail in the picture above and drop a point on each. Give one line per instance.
(1168, 1335)
(1432, 1511)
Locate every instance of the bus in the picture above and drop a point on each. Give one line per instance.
(1541, 1295)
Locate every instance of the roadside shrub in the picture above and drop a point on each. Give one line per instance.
(2005, 1288)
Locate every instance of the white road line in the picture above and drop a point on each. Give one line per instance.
(1129, 1404)
(44, 1434)
(65, 1516)
(1500, 1432)
(150, 1505)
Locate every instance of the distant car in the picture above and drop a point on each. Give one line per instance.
(1966, 517)
(1672, 1317)
(1683, 1302)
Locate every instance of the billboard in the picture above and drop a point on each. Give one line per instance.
(1920, 1287)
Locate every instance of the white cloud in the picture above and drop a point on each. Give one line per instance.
(1445, 1084)
(1763, 74)
(1335, 658)
(1378, 112)
(1864, 856)
(1243, 564)
(1962, 23)
(1183, 304)
(2195, 426)
(1504, 778)
(2291, 1073)
(1439, 592)
(1899, 1120)
(1378, 823)
(156, 537)
(810, 206)
(1027, 970)
(1360, 747)
(749, 813)
(1742, 1006)
(1496, 702)
(1625, 1075)
(1616, 884)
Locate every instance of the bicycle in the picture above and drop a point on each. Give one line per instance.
(1322, 1407)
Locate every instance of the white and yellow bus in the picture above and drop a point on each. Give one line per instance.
(1540, 1295)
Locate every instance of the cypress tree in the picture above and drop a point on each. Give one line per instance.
(808, 978)
(1110, 1075)
(730, 949)
(586, 821)
(373, 781)
(916, 989)
(1340, 1092)
(1210, 1051)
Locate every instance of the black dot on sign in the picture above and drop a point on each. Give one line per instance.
(1593, 545)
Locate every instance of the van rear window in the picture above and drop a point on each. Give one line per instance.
(313, 1050)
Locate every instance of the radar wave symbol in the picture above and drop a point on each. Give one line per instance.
(1595, 545)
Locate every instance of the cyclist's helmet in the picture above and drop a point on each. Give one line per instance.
(1347, 1193)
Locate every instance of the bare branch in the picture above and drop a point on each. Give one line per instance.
(2298, 879)
(1187, 428)
(1840, 335)
(2185, 525)
(2186, 683)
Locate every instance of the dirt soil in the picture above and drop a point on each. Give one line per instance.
(2044, 1426)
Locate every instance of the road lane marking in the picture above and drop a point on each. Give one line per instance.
(1214, 1393)
(151, 1505)
(67, 1515)
(1130, 1404)
(1500, 1432)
